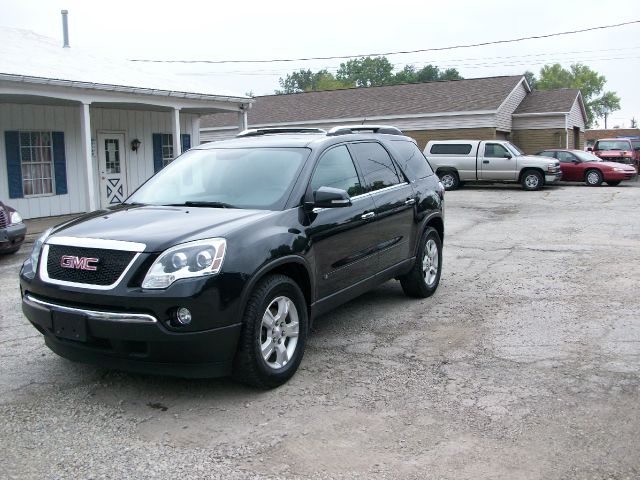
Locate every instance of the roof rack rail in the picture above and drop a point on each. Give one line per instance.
(253, 132)
(347, 129)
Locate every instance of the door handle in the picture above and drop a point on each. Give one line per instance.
(410, 201)
(367, 216)
(485, 161)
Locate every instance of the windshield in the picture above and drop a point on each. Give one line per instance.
(586, 156)
(612, 145)
(514, 150)
(259, 178)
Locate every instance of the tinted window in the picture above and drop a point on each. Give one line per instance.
(547, 154)
(412, 160)
(243, 177)
(494, 150)
(450, 149)
(565, 157)
(335, 169)
(377, 166)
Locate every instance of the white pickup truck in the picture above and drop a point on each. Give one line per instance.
(460, 161)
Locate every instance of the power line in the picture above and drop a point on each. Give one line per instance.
(435, 49)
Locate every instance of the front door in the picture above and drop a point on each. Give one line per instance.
(112, 158)
(497, 163)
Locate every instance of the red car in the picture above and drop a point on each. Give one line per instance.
(12, 229)
(616, 150)
(579, 166)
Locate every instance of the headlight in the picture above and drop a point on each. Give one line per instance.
(15, 218)
(552, 167)
(31, 264)
(616, 169)
(193, 259)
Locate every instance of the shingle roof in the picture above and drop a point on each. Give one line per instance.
(420, 98)
(540, 101)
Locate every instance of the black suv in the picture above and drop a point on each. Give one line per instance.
(218, 264)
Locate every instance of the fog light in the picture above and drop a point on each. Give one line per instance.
(183, 316)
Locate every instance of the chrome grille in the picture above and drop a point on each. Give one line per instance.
(109, 264)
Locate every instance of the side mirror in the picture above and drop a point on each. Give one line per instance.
(328, 197)
(589, 149)
(506, 155)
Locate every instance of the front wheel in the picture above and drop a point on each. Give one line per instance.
(532, 180)
(449, 179)
(593, 178)
(614, 183)
(274, 333)
(423, 278)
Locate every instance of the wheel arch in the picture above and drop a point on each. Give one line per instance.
(293, 267)
(528, 169)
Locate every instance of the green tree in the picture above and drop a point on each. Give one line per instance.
(531, 79)
(450, 74)
(366, 72)
(603, 106)
(406, 75)
(588, 81)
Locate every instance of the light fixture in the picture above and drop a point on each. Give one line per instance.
(135, 144)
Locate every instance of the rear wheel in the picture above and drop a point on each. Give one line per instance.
(274, 333)
(532, 180)
(593, 178)
(423, 279)
(613, 183)
(449, 179)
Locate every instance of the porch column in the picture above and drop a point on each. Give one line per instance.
(242, 119)
(177, 144)
(85, 144)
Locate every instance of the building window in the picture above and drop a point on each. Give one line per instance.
(167, 149)
(36, 160)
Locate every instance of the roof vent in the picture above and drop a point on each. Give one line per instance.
(65, 28)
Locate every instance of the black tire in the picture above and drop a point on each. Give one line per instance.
(614, 183)
(416, 283)
(449, 179)
(250, 367)
(593, 177)
(531, 180)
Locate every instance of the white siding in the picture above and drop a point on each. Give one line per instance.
(539, 122)
(576, 119)
(503, 116)
(443, 122)
(48, 118)
(140, 124)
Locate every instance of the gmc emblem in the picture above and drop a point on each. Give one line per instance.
(79, 263)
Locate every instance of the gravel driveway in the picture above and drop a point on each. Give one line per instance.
(525, 364)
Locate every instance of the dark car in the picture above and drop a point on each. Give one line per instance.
(219, 263)
(12, 229)
(579, 166)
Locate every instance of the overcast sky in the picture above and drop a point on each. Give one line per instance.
(209, 30)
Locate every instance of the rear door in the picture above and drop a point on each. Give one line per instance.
(394, 200)
(496, 163)
(343, 239)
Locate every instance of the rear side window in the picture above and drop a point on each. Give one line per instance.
(411, 160)
(376, 164)
(335, 169)
(450, 149)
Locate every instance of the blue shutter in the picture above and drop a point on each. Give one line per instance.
(14, 169)
(186, 142)
(157, 152)
(59, 162)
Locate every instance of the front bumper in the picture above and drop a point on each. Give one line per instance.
(136, 342)
(552, 177)
(12, 236)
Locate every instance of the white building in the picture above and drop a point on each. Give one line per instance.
(79, 132)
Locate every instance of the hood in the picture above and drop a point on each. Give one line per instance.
(538, 158)
(615, 165)
(159, 227)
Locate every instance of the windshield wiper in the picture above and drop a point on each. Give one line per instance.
(203, 204)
